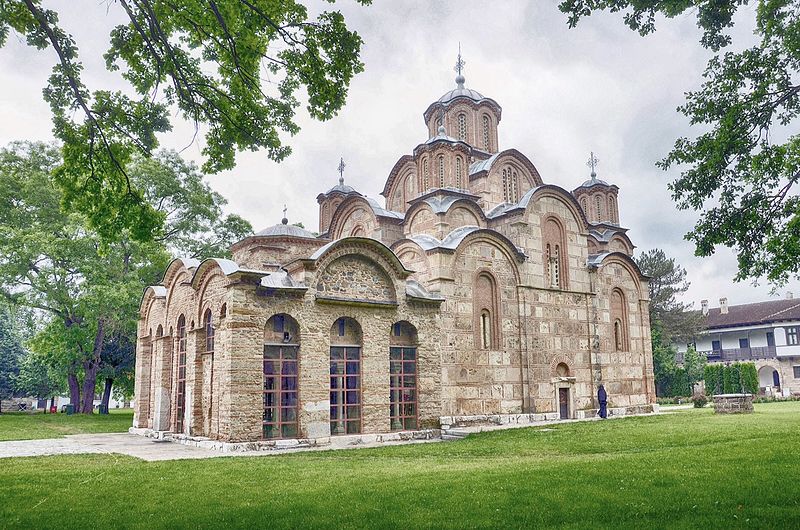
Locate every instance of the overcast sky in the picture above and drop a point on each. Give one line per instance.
(564, 92)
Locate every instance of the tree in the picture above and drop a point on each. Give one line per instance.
(36, 378)
(235, 67)
(11, 352)
(667, 281)
(90, 289)
(741, 172)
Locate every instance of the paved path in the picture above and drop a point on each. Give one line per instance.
(122, 443)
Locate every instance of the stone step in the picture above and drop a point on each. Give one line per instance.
(450, 437)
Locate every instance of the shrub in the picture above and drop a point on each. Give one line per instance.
(700, 401)
(749, 378)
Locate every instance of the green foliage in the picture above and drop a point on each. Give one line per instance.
(37, 379)
(11, 353)
(671, 379)
(741, 171)
(731, 378)
(236, 68)
(749, 378)
(699, 401)
(668, 281)
(88, 289)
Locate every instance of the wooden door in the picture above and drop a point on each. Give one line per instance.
(563, 403)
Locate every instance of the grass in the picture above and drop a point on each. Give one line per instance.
(686, 469)
(27, 426)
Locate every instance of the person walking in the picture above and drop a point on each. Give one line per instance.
(602, 398)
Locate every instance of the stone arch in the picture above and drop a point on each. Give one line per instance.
(486, 310)
(413, 257)
(354, 211)
(560, 194)
(496, 240)
(421, 219)
(282, 328)
(620, 321)
(557, 360)
(556, 252)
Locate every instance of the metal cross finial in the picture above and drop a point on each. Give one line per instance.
(460, 62)
(592, 163)
(285, 220)
(341, 171)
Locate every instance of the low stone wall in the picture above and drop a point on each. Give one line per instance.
(733, 403)
(331, 442)
(449, 422)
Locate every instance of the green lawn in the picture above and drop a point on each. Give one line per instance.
(687, 469)
(22, 426)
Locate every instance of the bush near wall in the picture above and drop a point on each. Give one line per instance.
(731, 378)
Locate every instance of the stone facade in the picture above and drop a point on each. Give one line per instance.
(477, 292)
(733, 404)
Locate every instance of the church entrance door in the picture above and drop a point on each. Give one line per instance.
(563, 403)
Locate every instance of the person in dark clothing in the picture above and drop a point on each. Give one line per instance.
(602, 398)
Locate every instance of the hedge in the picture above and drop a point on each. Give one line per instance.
(731, 378)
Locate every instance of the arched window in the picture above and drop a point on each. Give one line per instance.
(555, 254)
(409, 189)
(619, 318)
(598, 205)
(612, 211)
(159, 331)
(208, 324)
(425, 175)
(486, 133)
(281, 352)
(510, 189)
(345, 374)
(486, 307)
(441, 171)
(458, 172)
(180, 409)
(585, 206)
(462, 127)
(223, 311)
(403, 376)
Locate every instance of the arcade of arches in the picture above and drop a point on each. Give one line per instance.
(476, 290)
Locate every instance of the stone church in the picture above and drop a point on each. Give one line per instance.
(476, 293)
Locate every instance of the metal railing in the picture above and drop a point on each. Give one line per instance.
(741, 354)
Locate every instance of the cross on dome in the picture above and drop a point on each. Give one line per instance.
(341, 171)
(592, 163)
(285, 220)
(459, 68)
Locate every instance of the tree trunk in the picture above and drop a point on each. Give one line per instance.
(90, 370)
(107, 391)
(74, 390)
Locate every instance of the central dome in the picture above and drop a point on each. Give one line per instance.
(474, 95)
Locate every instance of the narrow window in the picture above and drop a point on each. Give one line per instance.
(458, 172)
(619, 316)
(441, 171)
(598, 204)
(345, 390)
(505, 186)
(209, 325)
(556, 268)
(181, 379)
(486, 129)
(345, 379)
(612, 213)
(584, 206)
(514, 193)
(486, 307)
(280, 391)
(462, 127)
(341, 327)
(425, 175)
(403, 377)
(486, 329)
(796, 370)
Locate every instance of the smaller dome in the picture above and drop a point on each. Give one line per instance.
(593, 182)
(285, 230)
(461, 92)
(341, 188)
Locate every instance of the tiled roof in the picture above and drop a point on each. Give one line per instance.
(757, 313)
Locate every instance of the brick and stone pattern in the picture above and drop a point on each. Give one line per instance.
(479, 252)
(733, 403)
